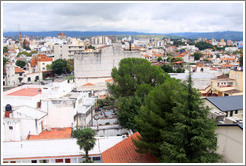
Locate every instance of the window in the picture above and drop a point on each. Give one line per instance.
(236, 112)
(12, 161)
(43, 161)
(67, 161)
(43, 68)
(20, 74)
(226, 114)
(96, 158)
(34, 161)
(237, 76)
(10, 127)
(59, 160)
(43, 63)
(231, 113)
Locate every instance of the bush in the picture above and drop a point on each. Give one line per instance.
(107, 123)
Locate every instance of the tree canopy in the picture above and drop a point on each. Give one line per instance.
(133, 80)
(20, 63)
(133, 72)
(59, 66)
(5, 49)
(197, 55)
(85, 140)
(174, 126)
(202, 45)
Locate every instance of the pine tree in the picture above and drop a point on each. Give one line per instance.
(174, 125)
(192, 138)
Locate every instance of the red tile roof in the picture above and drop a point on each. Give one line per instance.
(55, 133)
(124, 152)
(157, 55)
(145, 56)
(61, 34)
(179, 62)
(18, 70)
(109, 80)
(26, 92)
(226, 65)
(45, 59)
(88, 84)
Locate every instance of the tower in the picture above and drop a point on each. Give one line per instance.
(20, 38)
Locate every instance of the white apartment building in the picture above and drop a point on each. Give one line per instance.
(67, 51)
(101, 40)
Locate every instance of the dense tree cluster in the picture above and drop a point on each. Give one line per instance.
(59, 66)
(197, 55)
(169, 69)
(202, 45)
(5, 49)
(169, 114)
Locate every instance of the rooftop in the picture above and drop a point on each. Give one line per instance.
(124, 152)
(55, 133)
(227, 103)
(53, 148)
(26, 92)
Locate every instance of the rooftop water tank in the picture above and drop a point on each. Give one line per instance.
(8, 107)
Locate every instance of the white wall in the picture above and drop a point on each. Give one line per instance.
(230, 143)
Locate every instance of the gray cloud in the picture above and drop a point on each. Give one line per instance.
(144, 17)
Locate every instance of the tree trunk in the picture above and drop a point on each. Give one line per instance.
(86, 156)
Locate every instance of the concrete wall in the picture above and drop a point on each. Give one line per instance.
(230, 143)
(99, 64)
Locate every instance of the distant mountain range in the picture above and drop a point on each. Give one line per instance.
(232, 35)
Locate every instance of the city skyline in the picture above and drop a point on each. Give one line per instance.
(139, 17)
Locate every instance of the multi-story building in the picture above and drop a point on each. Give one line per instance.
(67, 51)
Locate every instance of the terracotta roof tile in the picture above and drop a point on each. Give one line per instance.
(55, 133)
(26, 92)
(179, 62)
(124, 152)
(45, 59)
(19, 70)
(109, 80)
(88, 84)
(157, 55)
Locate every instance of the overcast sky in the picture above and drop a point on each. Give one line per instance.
(139, 17)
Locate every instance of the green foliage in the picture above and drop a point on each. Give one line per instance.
(169, 58)
(178, 43)
(91, 47)
(134, 79)
(5, 49)
(70, 65)
(20, 63)
(49, 67)
(5, 60)
(85, 140)
(241, 61)
(217, 55)
(108, 101)
(153, 116)
(26, 46)
(174, 126)
(133, 72)
(26, 53)
(178, 59)
(197, 55)
(128, 108)
(168, 68)
(180, 70)
(202, 45)
(59, 66)
(159, 59)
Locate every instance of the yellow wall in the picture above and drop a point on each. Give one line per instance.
(238, 76)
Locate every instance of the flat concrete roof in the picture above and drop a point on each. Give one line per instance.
(26, 92)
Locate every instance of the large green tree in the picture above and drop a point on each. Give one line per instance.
(85, 139)
(174, 125)
(133, 72)
(59, 66)
(197, 55)
(202, 45)
(20, 63)
(133, 80)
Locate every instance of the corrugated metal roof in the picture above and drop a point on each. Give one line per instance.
(227, 103)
